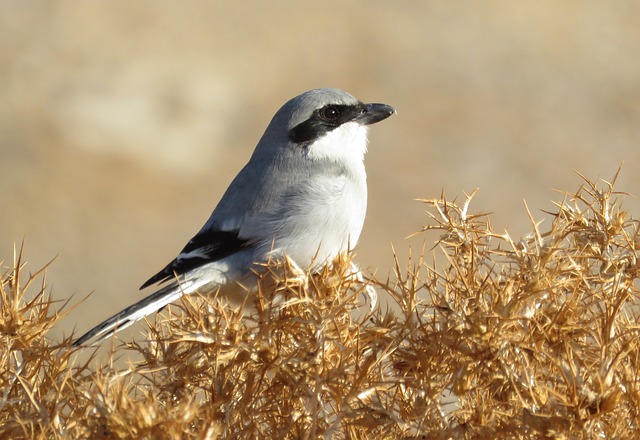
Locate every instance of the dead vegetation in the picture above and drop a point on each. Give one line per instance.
(490, 338)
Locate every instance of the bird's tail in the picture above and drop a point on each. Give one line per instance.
(152, 303)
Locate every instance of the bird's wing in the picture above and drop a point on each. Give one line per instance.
(207, 246)
(223, 235)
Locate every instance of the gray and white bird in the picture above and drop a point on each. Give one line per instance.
(303, 195)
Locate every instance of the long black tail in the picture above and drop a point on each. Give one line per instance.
(133, 313)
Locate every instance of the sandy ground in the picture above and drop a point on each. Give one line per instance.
(121, 123)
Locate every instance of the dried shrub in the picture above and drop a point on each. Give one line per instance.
(492, 338)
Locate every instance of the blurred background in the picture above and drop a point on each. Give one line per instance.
(122, 123)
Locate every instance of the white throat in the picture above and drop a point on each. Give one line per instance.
(347, 143)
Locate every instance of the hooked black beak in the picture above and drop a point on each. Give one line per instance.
(372, 113)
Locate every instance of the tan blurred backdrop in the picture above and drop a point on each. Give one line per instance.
(121, 123)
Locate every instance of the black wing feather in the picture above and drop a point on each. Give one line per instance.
(211, 246)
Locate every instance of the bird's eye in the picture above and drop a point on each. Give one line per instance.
(329, 114)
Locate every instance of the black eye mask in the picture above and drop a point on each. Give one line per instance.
(324, 120)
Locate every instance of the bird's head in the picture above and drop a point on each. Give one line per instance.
(325, 124)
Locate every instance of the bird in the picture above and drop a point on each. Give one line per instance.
(302, 196)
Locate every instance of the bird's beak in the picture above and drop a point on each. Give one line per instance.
(372, 113)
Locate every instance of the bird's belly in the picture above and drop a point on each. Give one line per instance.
(319, 231)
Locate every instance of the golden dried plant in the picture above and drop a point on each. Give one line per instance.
(491, 338)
